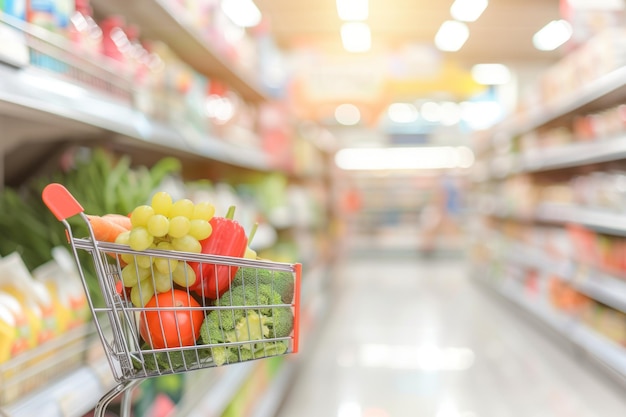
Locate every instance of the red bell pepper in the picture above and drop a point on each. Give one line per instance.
(227, 239)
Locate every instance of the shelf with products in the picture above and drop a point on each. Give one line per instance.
(594, 95)
(548, 196)
(609, 353)
(92, 116)
(592, 281)
(170, 22)
(570, 278)
(81, 376)
(73, 94)
(588, 79)
(604, 221)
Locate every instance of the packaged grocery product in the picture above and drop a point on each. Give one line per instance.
(63, 10)
(61, 279)
(7, 333)
(42, 13)
(15, 8)
(16, 280)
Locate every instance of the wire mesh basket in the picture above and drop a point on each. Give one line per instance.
(161, 326)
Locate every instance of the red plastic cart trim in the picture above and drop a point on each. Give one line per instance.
(60, 202)
(296, 304)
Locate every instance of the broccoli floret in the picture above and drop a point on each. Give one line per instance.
(251, 327)
(280, 281)
(148, 361)
(281, 322)
(224, 354)
(235, 325)
(165, 361)
(219, 322)
(268, 349)
(182, 360)
(227, 355)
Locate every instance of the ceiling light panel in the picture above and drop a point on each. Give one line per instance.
(451, 36)
(552, 35)
(468, 10)
(353, 10)
(243, 13)
(415, 158)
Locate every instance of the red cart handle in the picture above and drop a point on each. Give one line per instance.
(60, 202)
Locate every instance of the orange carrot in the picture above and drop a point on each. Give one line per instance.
(104, 229)
(119, 219)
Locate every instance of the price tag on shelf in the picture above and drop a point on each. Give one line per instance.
(13, 49)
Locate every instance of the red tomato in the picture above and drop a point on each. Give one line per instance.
(171, 328)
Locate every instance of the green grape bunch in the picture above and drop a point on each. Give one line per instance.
(163, 225)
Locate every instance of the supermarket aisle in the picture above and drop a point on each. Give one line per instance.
(413, 338)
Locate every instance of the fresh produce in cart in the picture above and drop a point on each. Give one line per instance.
(171, 328)
(229, 239)
(163, 225)
(163, 320)
(237, 325)
(280, 281)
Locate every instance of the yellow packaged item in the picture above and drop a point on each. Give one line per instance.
(16, 280)
(7, 333)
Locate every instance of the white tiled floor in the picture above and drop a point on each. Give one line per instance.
(409, 337)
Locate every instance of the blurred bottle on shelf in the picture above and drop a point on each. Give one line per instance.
(83, 31)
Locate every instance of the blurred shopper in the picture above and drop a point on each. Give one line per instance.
(441, 217)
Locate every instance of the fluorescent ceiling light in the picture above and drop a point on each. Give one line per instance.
(347, 114)
(356, 37)
(491, 74)
(431, 157)
(468, 10)
(451, 36)
(402, 113)
(552, 35)
(351, 10)
(243, 13)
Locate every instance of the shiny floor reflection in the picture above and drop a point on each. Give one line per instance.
(412, 338)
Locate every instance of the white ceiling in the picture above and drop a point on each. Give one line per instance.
(502, 34)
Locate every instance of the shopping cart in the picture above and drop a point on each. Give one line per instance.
(171, 336)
